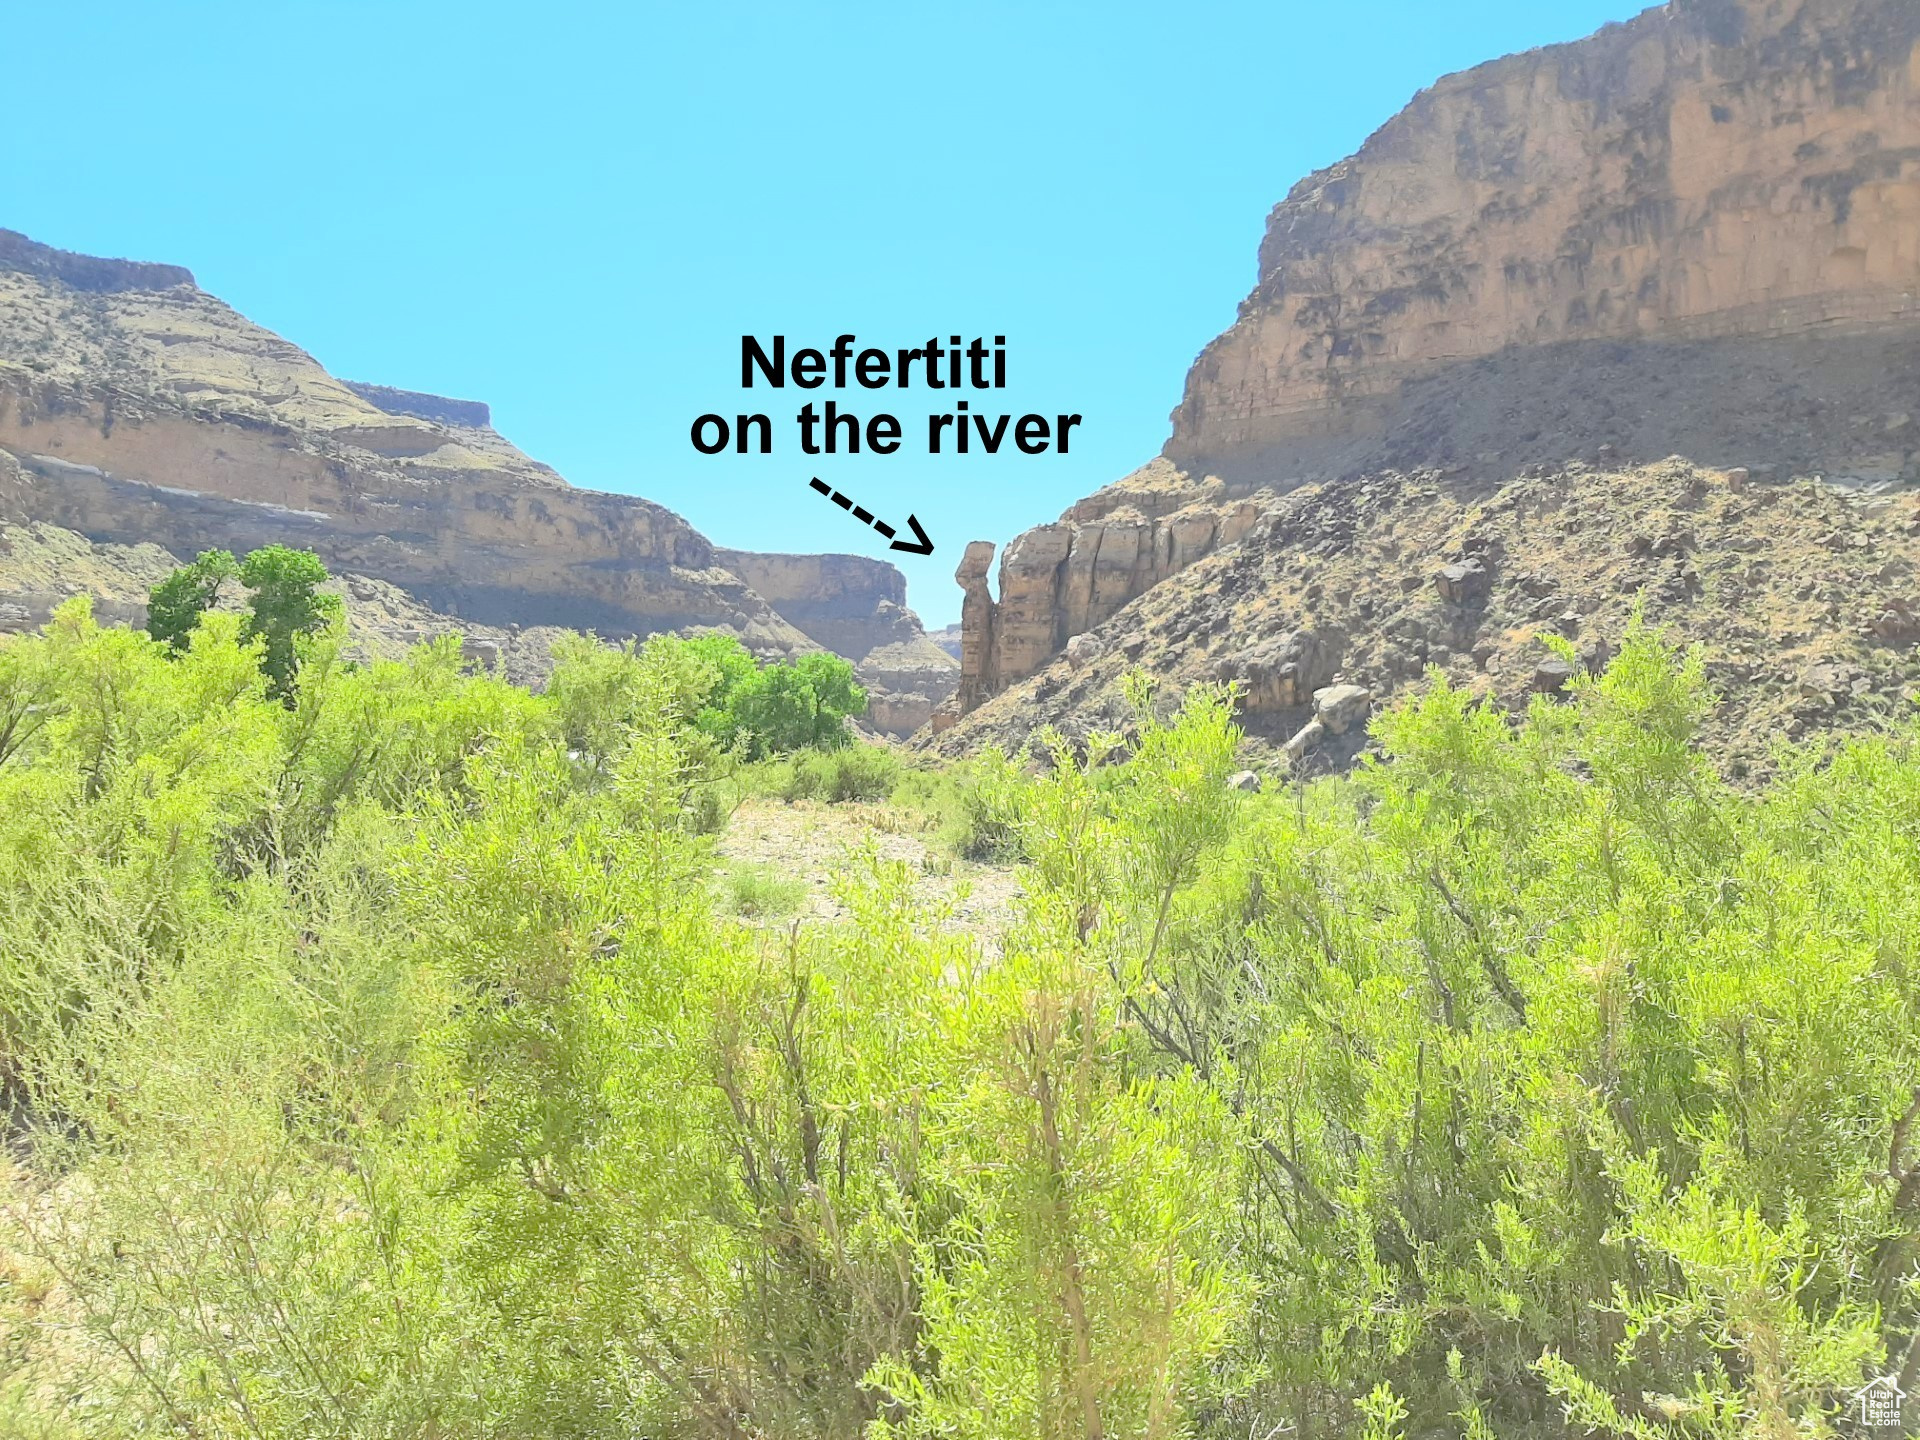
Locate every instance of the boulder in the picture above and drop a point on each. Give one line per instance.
(1897, 625)
(1676, 543)
(484, 654)
(1304, 739)
(1464, 582)
(1341, 707)
(1246, 782)
(1083, 650)
(1283, 673)
(1550, 677)
(1823, 682)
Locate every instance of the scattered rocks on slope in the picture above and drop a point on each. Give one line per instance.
(1283, 673)
(1739, 572)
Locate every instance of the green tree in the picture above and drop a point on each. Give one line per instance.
(800, 706)
(731, 663)
(175, 605)
(606, 692)
(287, 606)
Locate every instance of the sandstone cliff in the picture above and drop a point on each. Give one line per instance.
(1694, 233)
(1713, 169)
(143, 410)
(1060, 580)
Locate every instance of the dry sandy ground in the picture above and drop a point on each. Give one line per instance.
(813, 843)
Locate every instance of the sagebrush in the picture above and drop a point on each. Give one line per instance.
(379, 1063)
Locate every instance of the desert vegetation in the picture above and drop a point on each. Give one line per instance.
(382, 1058)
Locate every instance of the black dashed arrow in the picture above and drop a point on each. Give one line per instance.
(921, 545)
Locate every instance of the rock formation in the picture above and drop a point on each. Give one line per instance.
(473, 414)
(948, 639)
(86, 273)
(1713, 169)
(1801, 596)
(979, 644)
(43, 565)
(142, 410)
(1062, 580)
(1694, 233)
(847, 603)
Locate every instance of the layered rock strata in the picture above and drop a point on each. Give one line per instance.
(1062, 580)
(143, 410)
(1714, 169)
(1697, 233)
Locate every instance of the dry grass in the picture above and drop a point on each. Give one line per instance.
(815, 843)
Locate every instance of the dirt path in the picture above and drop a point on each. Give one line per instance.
(813, 843)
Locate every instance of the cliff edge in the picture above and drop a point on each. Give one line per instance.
(1712, 170)
(1695, 233)
(142, 410)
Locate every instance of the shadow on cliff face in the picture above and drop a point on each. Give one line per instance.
(1834, 405)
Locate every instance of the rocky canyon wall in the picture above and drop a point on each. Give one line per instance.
(1712, 170)
(848, 603)
(1061, 580)
(1697, 232)
(141, 409)
(857, 607)
(482, 544)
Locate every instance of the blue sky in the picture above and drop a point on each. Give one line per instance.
(574, 211)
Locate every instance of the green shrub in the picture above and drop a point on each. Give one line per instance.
(781, 708)
(388, 1064)
(603, 693)
(974, 806)
(858, 772)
